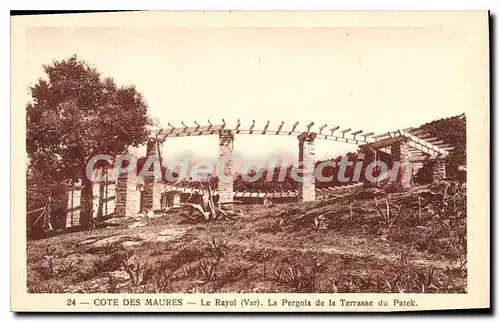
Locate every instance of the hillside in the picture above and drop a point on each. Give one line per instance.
(365, 241)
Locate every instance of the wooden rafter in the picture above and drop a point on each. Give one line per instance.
(240, 194)
(436, 142)
(424, 146)
(265, 128)
(280, 127)
(198, 130)
(345, 131)
(383, 143)
(416, 142)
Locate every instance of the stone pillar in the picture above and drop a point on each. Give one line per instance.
(402, 159)
(307, 184)
(133, 201)
(225, 185)
(157, 191)
(177, 200)
(152, 188)
(121, 194)
(128, 196)
(438, 170)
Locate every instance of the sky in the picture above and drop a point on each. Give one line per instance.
(372, 79)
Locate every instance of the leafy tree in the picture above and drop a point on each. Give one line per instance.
(76, 114)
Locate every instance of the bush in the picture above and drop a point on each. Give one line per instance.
(38, 190)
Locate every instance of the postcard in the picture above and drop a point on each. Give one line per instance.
(250, 161)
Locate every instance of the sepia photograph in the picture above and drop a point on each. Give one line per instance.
(249, 158)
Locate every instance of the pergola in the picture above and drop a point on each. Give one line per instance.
(407, 145)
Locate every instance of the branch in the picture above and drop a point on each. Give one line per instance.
(198, 207)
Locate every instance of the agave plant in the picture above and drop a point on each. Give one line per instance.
(67, 268)
(366, 281)
(426, 280)
(139, 273)
(218, 247)
(211, 210)
(297, 276)
(161, 280)
(109, 248)
(207, 269)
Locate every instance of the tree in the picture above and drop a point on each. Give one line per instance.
(76, 114)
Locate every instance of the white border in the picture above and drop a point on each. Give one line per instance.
(192, 5)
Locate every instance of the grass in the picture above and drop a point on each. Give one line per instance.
(390, 245)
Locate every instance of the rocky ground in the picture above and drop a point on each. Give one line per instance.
(369, 240)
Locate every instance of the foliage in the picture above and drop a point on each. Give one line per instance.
(301, 278)
(211, 210)
(207, 268)
(76, 114)
(38, 189)
(67, 268)
(217, 248)
(111, 248)
(161, 278)
(388, 217)
(139, 273)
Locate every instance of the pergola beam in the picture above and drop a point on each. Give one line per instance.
(420, 158)
(280, 127)
(199, 130)
(423, 145)
(383, 143)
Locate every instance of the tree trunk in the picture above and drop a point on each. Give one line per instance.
(101, 201)
(86, 202)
